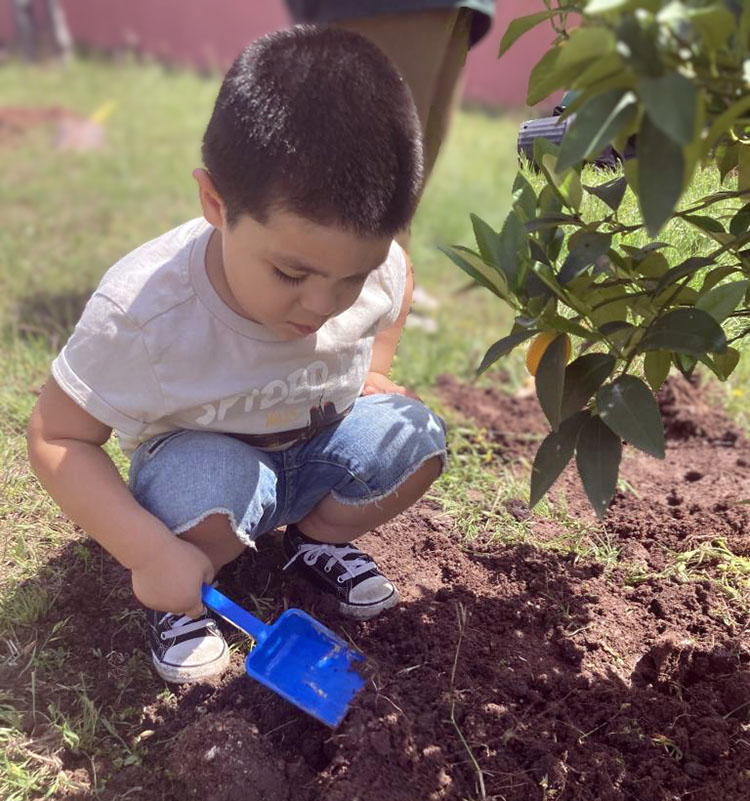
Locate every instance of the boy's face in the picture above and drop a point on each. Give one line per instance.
(288, 274)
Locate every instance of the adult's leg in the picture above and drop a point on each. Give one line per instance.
(429, 48)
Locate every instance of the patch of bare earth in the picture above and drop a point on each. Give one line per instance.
(506, 672)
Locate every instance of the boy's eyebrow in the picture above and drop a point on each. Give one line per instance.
(301, 267)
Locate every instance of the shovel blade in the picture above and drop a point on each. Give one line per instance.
(309, 665)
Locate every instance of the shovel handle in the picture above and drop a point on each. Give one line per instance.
(234, 613)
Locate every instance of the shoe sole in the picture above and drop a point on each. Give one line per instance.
(370, 611)
(178, 675)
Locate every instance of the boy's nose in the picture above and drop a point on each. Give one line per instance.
(321, 304)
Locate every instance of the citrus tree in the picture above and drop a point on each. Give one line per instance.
(671, 77)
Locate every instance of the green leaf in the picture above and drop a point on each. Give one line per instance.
(661, 168)
(513, 250)
(641, 253)
(721, 125)
(488, 241)
(685, 364)
(615, 327)
(741, 221)
(547, 77)
(723, 364)
(485, 275)
(717, 275)
(689, 331)
(709, 225)
(553, 456)
(567, 184)
(548, 221)
(682, 270)
(503, 347)
(544, 78)
(656, 365)
(743, 166)
(600, 75)
(598, 455)
(544, 273)
(586, 45)
(728, 158)
(560, 323)
(721, 301)
(582, 379)
(655, 265)
(596, 125)
(524, 198)
(629, 408)
(611, 192)
(550, 378)
(585, 248)
(521, 25)
(714, 23)
(671, 102)
(612, 305)
(606, 6)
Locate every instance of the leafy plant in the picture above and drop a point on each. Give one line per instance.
(672, 76)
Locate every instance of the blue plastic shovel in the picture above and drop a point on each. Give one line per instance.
(298, 658)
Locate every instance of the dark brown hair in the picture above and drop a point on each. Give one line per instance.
(316, 121)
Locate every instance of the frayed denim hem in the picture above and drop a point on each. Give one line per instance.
(348, 501)
(240, 532)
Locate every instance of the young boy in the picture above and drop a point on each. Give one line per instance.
(243, 358)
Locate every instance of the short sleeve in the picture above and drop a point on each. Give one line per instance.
(105, 368)
(393, 282)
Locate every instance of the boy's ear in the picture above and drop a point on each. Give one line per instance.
(212, 204)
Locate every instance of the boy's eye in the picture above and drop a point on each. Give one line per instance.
(290, 279)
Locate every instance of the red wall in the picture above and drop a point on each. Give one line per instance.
(212, 32)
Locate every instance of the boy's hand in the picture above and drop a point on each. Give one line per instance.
(171, 580)
(379, 384)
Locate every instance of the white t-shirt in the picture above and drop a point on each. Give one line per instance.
(157, 349)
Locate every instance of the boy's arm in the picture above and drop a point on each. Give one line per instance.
(384, 348)
(64, 445)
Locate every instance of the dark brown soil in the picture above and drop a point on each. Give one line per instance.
(507, 672)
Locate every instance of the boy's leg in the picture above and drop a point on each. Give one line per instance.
(219, 494)
(332, 521)
(370, 467)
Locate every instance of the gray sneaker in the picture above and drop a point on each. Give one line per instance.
(342, 570)
(184, 650)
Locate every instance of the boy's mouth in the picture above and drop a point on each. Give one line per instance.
(305, 330)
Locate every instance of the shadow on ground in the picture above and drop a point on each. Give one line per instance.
(510, 673)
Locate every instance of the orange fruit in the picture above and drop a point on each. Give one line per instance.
(539, 345)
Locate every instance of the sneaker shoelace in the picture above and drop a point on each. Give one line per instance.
(351, 559)
(181, 624)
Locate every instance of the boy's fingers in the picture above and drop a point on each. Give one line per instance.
(196, 611)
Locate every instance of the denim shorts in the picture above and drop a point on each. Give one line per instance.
(184, 476)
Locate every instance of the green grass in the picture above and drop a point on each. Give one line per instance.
(66, 218)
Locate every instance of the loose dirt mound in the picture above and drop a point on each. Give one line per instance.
(508, 672)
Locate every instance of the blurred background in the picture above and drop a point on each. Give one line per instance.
(102, 110)
(208, 35)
